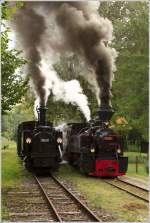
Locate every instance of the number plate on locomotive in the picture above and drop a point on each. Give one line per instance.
(44, 140)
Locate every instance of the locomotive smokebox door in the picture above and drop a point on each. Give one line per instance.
(44, 150)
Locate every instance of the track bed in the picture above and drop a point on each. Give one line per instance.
(65, 205)
(47, 199)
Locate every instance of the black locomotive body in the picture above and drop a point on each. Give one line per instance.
(39, 144)
(95, 148)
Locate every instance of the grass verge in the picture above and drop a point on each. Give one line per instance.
(141, 173)
(13, 174)
(13, 171)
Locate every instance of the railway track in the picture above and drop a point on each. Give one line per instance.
(62, 203)
(26, 204)
(47, 199)
(134, 190)
(132, 184)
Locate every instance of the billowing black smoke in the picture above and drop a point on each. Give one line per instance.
(84, 32)
(30, 27)
(85, 36)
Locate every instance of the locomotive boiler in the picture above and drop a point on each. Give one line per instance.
(95, 148)
(39, 144)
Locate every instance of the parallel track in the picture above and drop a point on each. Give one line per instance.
(62, 202)
(136, 186)
(129, 188)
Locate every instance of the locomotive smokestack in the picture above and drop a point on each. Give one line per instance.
(41, 115)
(105, 113)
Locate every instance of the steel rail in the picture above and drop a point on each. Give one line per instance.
(129, 192)
(55, 213)
(83, 206)
(129, 183)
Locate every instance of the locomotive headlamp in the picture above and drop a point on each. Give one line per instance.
(59, 140)
(118, 150)
(92, 150)
(28, 140)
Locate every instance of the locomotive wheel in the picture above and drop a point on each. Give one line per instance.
(111, 177)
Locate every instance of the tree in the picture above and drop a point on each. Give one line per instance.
(20, 113)
(130, 88)
(13, 84)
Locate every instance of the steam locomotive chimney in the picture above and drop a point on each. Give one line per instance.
(105, 113)
(41, 115)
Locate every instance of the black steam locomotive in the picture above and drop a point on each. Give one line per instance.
(96, 149)
(39, 144)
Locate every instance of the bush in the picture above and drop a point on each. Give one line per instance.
(6, 143)
(132, 157)
(133, 147)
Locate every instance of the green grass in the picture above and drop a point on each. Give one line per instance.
(142, 159)
(13, 171)
(7, 144)
(132, 156)
(133, 147)
(122, 206)
(140, 174)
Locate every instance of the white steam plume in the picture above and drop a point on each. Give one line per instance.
(67, 91)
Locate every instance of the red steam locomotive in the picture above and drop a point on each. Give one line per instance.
(94, 148)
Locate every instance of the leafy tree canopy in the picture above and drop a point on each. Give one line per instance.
(130, 87)
(13, 83)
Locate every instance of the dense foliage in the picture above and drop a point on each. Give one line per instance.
(21, 112)
(13, 84)
(130, 88)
